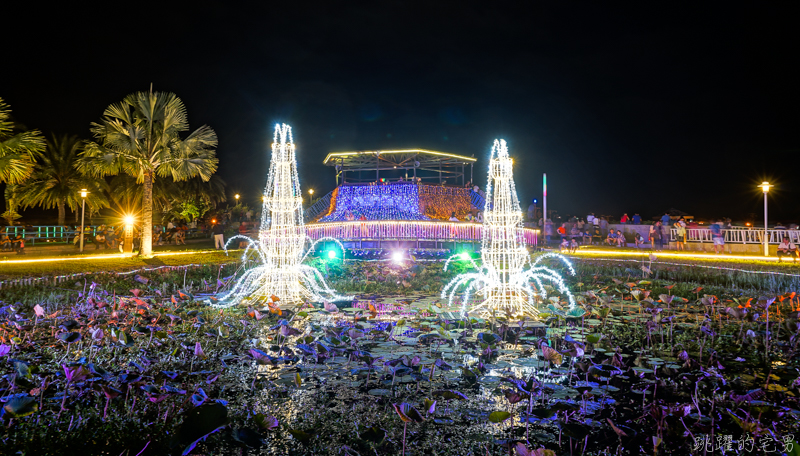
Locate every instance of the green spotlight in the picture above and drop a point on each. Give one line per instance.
(331, 254)
(465, 256)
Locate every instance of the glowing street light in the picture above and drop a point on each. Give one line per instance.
(127, 234)
(765, 186)
(311, 191)
(84, 192)
(237, 198)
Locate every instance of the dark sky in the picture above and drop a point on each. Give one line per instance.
(625, 108)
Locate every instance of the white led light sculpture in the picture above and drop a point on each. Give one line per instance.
(507, 281)
(281, 245)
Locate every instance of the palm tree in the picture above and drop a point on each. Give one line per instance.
(56, 181)
(18, 149)
(140, 136)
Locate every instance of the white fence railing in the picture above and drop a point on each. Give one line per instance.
(739, 236)
(407, 230)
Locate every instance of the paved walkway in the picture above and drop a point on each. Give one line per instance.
(676, 254)
(43, 250)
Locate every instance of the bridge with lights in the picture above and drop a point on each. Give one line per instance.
(401, 199)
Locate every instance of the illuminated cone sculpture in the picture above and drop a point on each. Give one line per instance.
(282, 239)
(503, 283)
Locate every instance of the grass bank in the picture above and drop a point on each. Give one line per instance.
(43, 267)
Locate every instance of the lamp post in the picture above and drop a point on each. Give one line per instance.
(237, 198)
(544, 199)
(765, 188)
(84, 192)
(127, 246)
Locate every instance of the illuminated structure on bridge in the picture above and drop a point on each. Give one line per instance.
(402, 199)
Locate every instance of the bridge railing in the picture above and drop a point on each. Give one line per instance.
(738, 236)
(407, 230)
(64, 234)
(317, 208)
(478, 199)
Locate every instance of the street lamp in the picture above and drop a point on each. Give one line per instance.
(311, 191)
(84, 192)
(765, 188)
(237, 198)
(127, 245)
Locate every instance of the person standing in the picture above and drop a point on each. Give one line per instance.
(548, 229)
(666, 220)
(718, 237)
(590, 218)
(603, 226)
(219, 236)
(656, 236)
(574, 232)
(680, 234)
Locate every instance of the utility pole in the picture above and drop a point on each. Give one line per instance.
(544, 199)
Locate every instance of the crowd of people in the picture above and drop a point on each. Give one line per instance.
(594, 230)
(10, 243)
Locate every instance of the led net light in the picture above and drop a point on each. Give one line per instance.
(409, 229)
(507, 281)
(281, 245)
(398, 201)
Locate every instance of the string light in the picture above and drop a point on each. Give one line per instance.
(417, 230)
(438, 202)
(397, 201)
(502, 281)
(334, 155)
(281, 240)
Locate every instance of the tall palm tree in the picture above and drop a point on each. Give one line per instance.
(140, 136)
(18, 149)
(56, 181)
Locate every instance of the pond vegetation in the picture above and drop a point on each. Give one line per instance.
(645, 364)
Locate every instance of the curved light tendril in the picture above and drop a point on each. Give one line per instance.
(504, 279)
(281, 243)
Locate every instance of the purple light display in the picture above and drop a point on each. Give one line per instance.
(396, 201)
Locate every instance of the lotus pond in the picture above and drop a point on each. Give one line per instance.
(645, 364)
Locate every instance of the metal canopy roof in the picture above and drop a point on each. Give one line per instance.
(426, 164)
(404, 158)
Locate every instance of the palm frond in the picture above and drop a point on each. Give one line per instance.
(18, 150)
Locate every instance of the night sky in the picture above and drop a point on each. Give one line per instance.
(627, 109)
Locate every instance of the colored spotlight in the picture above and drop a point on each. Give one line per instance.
(465, 256)
(331, 254)
(397, 256)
